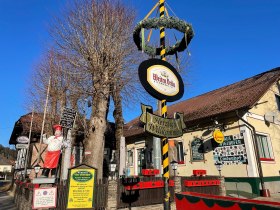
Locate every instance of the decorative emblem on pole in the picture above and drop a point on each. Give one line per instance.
(165, 22)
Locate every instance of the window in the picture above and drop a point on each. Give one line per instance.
(176, 151)
(180, 152)
(265, 148)
(277, 97)
(129, 158)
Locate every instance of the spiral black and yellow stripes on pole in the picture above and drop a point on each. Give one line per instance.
(162, 30)
(165, 160)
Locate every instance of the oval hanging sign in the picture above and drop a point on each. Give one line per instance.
(218, 136)
(161, 80)
(22, 139)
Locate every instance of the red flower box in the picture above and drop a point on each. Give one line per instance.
(150, 172)
(199, 172)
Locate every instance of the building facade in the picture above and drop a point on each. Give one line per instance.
(248, 115)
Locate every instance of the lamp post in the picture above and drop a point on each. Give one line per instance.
(174, 166)
(112, 168)
(219, 167)
(37, 169)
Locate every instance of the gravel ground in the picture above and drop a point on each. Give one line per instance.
(7, 202)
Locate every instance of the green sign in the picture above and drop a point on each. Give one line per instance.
(162, 127)
(82, 176)
(81, 188)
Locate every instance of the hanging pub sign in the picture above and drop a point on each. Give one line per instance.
(162, 127)
(161, 80)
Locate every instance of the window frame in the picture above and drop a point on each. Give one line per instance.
(277, 99)
(183, 149)
(176, 143)
(131, 151)
(269, 148)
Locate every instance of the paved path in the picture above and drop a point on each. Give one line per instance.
(7, 202)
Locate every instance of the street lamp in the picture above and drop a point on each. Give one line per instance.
(28, 171)
(37, 169)
(112, 168)
(219, 167)
(174, 166)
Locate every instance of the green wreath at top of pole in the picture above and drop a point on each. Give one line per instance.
(166, 22)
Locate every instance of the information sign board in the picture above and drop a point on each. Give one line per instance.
(231, 151)
(81, 188)
(44, 198)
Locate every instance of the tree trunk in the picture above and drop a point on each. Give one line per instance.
(94, 144)
(119, 121)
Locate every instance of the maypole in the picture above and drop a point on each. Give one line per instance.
(162, 81)
(163, 113)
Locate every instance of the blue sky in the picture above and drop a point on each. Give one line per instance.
(234, 39)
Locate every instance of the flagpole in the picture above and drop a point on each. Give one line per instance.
(29, 137)
(43, 123)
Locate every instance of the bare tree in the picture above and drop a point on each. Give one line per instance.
(95, 39)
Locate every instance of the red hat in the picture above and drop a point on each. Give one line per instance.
(57, 127)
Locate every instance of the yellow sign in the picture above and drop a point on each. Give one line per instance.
(218, 136)
(81, 189)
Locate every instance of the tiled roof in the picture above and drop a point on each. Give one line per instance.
(240, 95)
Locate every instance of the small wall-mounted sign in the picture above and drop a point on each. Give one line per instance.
(44, 198)
(21, 146)
(161, 80)
(218, 136)
(162, 127)
(22, 139)
(196, 147)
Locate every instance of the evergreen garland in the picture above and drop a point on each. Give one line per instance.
(166, 22)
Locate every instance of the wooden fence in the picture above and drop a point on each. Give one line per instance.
(141, 197)
(213, 190)
(101, 195)
(23, 196)
(125, 198)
